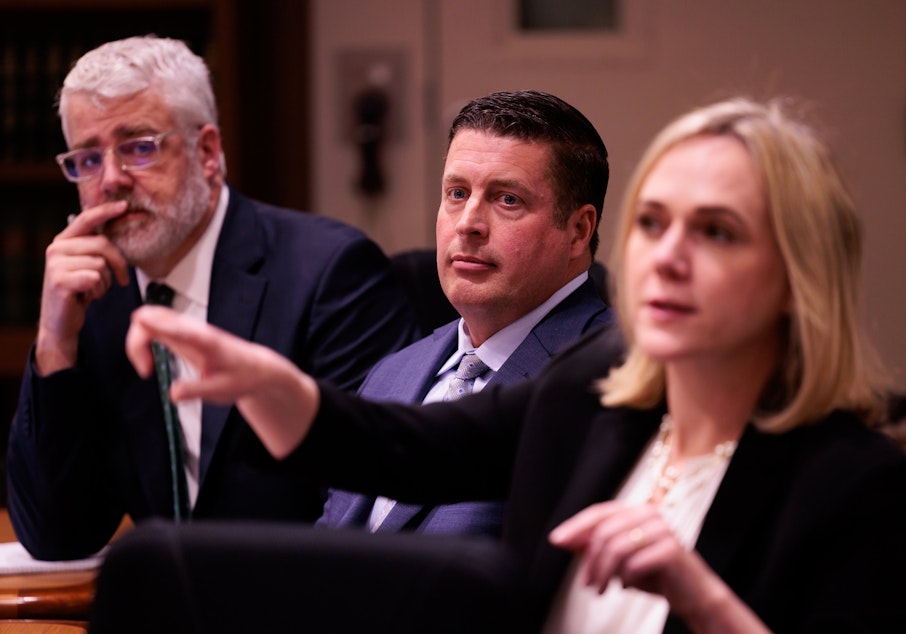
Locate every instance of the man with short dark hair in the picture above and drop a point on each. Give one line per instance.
(521, 199)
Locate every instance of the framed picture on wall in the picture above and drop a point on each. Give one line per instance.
(590, 30)
(601, 16)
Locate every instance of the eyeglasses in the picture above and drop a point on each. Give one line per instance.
(134, 154)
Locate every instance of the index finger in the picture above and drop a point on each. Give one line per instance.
(576, 530)
(187, 337)
(93, 218)
(138, 345)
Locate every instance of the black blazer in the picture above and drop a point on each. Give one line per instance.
(87, 445)
(807, 526)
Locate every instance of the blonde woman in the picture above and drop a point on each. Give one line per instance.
(717, 477)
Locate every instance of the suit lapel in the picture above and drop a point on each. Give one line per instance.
(613, 445)
(148, 443)
(419, 376)
(742, 499)
(358, 511)
(237, 292)
(559, 327)
(413, 375)
(525, 361)
(415, 380)
(607, 453)
(235, 299)
(413, 369)
(140, 400)
(399, 517)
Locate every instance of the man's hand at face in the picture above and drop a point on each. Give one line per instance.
(80, 266)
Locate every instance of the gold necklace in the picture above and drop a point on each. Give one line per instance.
(666, 475)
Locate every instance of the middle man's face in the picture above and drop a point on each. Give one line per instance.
(499, 252)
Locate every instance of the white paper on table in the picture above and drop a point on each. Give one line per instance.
(15, 560)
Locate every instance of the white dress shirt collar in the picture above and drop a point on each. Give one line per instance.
(191, 277)
(499, 346)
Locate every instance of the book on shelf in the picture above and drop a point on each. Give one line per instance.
(14, 273)
(31, 73)
(37, 50)
(28, 224)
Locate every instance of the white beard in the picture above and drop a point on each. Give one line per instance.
(160, 229)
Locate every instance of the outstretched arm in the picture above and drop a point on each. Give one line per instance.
(277, 399)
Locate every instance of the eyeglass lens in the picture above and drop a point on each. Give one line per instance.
(134, 153)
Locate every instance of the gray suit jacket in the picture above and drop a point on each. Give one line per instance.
(407, 376)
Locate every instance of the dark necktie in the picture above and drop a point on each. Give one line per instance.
(162, 295)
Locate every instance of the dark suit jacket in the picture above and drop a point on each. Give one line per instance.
(88, 445)
(807, 526)
(409, 374)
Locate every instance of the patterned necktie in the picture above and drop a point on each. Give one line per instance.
(162, 295)
(469, 368)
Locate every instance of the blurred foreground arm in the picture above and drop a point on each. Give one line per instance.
(277, 399)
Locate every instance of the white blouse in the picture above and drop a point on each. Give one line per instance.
(579, 609)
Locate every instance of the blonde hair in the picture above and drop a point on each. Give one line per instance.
(828, 361)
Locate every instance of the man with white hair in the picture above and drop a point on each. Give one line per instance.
(89, 443)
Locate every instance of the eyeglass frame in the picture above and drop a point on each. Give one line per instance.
(156, 139)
